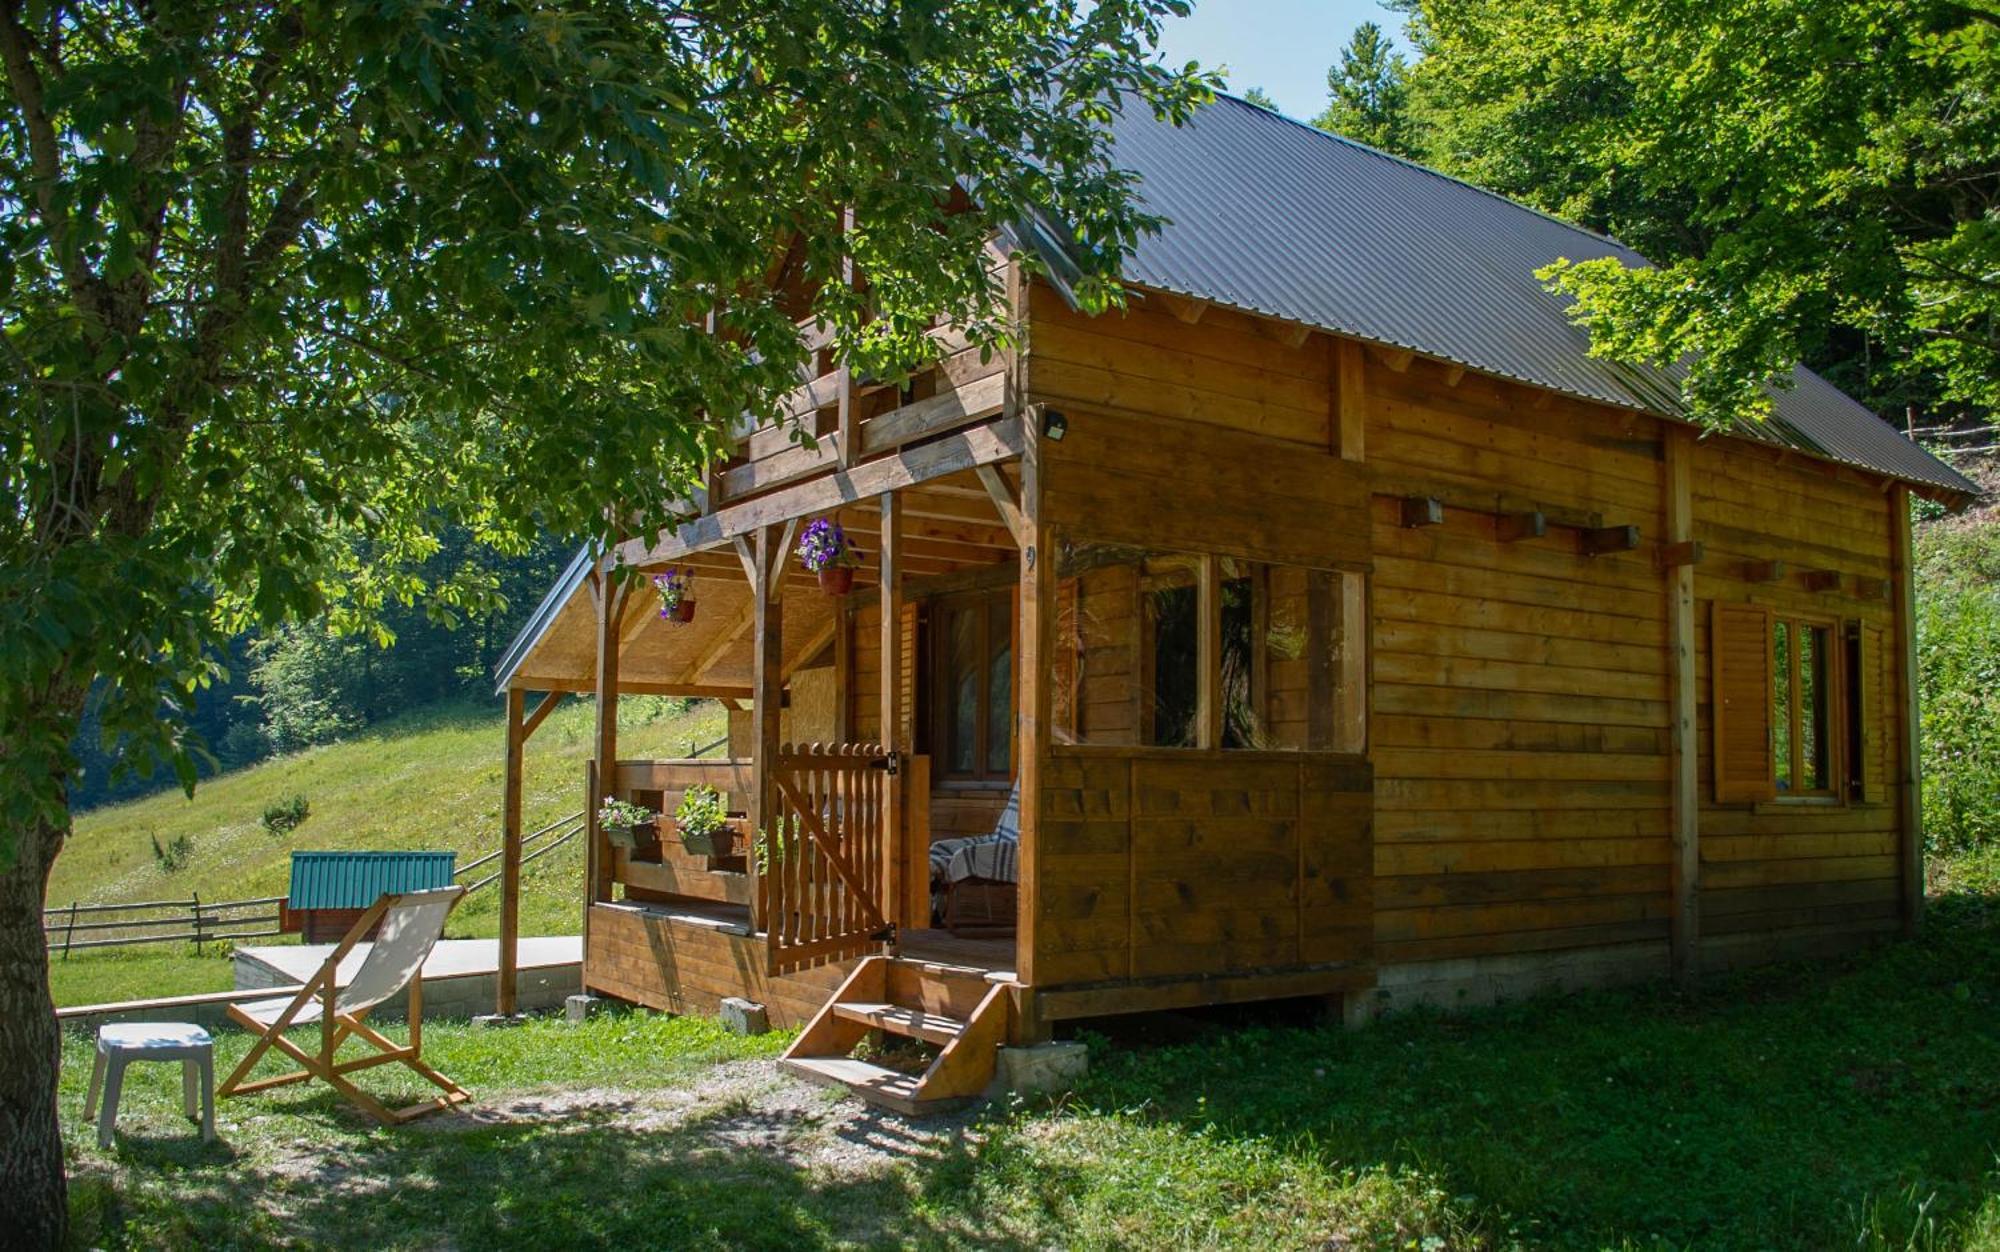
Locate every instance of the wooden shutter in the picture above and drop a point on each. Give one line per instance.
(1739, 656)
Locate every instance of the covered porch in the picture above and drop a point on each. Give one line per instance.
(841, 749)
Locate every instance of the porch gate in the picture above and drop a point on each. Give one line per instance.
(823, 863)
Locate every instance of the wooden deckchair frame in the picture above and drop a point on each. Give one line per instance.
(335, 1029)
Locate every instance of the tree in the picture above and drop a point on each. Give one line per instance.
(290, 287)
(1368, 99)
(1816, 180)
(1261, 98)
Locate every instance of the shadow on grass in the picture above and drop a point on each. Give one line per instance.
(540, 1172)
(1856, 1104)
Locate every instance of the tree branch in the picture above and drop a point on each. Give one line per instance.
(18, 52)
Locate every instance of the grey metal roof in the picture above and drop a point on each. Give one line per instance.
(354, 880)
(524, 639)
(1275, 217)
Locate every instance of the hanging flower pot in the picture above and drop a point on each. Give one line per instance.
(825, 551)
(837, 580)
(676, 589)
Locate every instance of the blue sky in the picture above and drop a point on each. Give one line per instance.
(1283, 46)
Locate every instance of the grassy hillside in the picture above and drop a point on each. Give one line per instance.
(431, 779)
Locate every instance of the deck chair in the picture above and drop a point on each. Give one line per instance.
(411, 924)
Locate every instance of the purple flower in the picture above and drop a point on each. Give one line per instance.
(825, 546)
(674, 586)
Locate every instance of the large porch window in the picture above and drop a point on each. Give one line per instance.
(972, 681)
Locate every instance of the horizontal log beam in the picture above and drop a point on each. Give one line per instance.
(999, 440)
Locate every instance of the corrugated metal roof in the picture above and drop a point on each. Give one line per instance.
(355, 880)
(1275, 217)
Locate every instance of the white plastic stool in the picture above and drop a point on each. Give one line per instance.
(118, 1046)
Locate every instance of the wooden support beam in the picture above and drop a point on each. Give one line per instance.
(510, 845)
(1679, 553)
(1909, 763)
(890, 589)
(1350, 399)
(1602, 539)
(768, 695)
(746, 552)
(1187, 308)
(1398, 360)
(1514, 527)
(547, 706)
(811, 647)
(1036, 667)
(1684, 929)
(843, 673)
(1208, 652)
(1822, 580)
(1761, 571)
(1422, 511)
(604, 755)
(1454, 375)
(719, 648)
(1294, 335)
(781, 558)
(998, 440)
(1004, 502)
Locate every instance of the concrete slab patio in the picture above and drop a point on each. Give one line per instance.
(461, 977)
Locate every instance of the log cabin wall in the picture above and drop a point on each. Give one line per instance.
(1522, 682)
(1794, 877)
(1175, 875)
(1521, 710)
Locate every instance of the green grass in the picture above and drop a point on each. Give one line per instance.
(1851, 1106)
(431, 779)
(139, 973)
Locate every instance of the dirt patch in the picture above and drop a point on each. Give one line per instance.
(741, 1105)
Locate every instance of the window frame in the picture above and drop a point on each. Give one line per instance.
(981, 605)
(1834, 692)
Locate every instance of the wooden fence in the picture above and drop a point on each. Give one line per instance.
(80, 927)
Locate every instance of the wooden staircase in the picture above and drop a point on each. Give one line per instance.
(953, 1007)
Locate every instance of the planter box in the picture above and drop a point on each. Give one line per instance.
(718, 843)
(634, 838)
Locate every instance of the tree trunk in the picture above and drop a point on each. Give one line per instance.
(34, 1200)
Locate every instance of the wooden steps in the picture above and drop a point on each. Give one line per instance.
(956, 1009)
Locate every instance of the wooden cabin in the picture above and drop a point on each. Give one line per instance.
(1344, 629)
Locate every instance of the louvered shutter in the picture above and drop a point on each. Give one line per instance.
(1740, 665)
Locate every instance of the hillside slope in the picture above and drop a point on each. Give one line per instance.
(430, 779)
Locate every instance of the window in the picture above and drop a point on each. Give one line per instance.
(1802, 677)
(972, 706)
(1288, 662)
(1786, 706)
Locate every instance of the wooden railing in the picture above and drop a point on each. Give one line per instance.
(825, 859)
(671, 873)
(80, 926)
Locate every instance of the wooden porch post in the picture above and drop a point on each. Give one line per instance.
(510, 852)
(1685, 930)
(1038, 655)
(1208, 650)
(767, 692)
(891, 590)
(604, 761)
(1909, 772)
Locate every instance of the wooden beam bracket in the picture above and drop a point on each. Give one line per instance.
(1004, 502)
(1602, 539)
(1514, 527)
(1822, 580)
(1762, 571)
(1422, 511)
(1675, 555)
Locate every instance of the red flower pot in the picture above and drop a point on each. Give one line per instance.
(837, 580)
(682, 612)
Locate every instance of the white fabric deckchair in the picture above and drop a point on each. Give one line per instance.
(411, 926)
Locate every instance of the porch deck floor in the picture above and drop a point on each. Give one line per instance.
(993, 957)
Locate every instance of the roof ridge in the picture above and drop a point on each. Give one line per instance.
(1420, 167)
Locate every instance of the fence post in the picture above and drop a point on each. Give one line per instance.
(70, 933)
(195, 901)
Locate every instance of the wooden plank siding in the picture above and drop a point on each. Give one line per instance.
(1795, 876)
(1521, 732)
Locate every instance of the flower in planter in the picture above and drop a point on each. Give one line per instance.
(676, 587)
(700, 813)
(825, 546)
(624, 815)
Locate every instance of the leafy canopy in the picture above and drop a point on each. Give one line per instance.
(1368, 99)
(1817, 179)
(287, 288)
